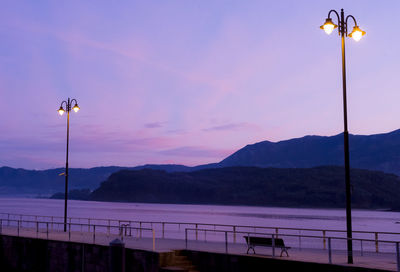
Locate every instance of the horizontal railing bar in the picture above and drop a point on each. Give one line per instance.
(74, 224)
(203, 224)
(292, 235)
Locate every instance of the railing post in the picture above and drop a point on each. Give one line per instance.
(8, 219)
(154, 240)
(140, 226)
(324, 235)
(47, 230)
(94, 234)
(226, 242)
(276, 231)
(163, 230)
(299, 239)
(362, 251)
(186, 239)
(18, 227)
(398, 256)
(1, 226)
(273, 245)
(121, 232)
(330, 250)
(88, 224)
(234, 234)
(37, 229)
(69, 232)
(376, 242)
(196, 231)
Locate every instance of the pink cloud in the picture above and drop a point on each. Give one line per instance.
(196, 151)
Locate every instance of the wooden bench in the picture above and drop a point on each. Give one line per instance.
(253, 241)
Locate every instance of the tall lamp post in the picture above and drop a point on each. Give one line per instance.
(356, 34)
(68, 107)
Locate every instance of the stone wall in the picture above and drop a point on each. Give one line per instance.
(29, 254)
(217, 262)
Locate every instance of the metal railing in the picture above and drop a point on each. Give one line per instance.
(93, 230)
(162, 227)
(219, 234)
(395, 245)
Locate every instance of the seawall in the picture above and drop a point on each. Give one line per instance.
(30, 254)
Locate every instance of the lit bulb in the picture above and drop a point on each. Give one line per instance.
(329, 26)
(61, 111)
(357, 34)
(76, 108)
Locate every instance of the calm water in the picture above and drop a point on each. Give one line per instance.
(238, 215)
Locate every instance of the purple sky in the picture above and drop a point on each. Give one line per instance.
(186, 82)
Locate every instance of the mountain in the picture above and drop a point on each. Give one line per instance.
(374, 152)
(76, 194)
(44, 182)
(318, 187)
(22, 182)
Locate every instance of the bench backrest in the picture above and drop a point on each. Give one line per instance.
(263, 241)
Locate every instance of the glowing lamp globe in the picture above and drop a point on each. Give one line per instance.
(357, 33)
(61, 111)
(328, 26)
(76, 108)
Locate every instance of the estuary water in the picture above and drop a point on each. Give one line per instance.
(363, 220)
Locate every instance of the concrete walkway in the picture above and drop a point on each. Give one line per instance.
(385, 261)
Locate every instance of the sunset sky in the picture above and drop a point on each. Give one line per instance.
(187, 82)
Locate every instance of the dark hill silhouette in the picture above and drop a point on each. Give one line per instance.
(18, 181)
(313, 187)
(44, 182)
(374, 152)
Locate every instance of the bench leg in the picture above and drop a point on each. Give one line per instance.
(285, 250)
(251, 247)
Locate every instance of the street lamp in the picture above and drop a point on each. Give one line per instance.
(356, 34)
(61, 111)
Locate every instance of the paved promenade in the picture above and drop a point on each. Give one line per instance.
(385, 261)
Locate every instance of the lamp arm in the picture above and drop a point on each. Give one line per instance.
(76, 102)
(337, 15)
(66, 104)
(352, 17)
